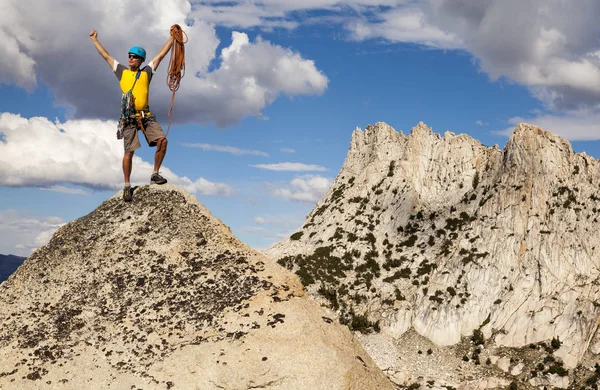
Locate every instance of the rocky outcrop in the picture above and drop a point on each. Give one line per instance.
(158, 294)
(457, 241)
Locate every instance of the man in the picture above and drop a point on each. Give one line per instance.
(137, 79)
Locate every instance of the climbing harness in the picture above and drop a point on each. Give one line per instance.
(127, 108)
(176, 65)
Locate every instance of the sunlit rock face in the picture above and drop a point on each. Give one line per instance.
(443, 236)
(158, 294)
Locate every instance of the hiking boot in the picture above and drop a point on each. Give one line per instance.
(127, 194)
(156, 178)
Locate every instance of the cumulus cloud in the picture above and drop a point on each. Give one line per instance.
(21, 232)
(269, 14)
(552, 48)
(35, 47)
(227, 149)
(537, 45)
(409, 24)
(66, 190)
(36, 152)
(204, 187)
(290, 166)
(581, 127)
(251, 76)
(304, 189)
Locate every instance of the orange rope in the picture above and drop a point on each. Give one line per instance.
(176, 65)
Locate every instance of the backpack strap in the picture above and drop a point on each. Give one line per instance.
(137, 76)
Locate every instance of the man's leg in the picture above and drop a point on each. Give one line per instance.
(127, 166)
(156, 137)
(161, 150)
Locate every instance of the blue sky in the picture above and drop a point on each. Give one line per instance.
(272, 93)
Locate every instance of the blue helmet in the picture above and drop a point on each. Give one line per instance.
(138, 51)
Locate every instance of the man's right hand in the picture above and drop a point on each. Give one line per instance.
(101, 49)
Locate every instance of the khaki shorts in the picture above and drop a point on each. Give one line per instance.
(153, 133)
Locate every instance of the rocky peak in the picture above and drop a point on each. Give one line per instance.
(421, 129)
(445, 240)
(158, 293)
(372, 139)
(531, 146)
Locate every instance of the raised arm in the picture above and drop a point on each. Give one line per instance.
(162, 53)
(103, 53)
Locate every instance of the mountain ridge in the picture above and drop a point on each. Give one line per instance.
(449, 237)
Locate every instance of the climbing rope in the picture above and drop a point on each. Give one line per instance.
(176, 65)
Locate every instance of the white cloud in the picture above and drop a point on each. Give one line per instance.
(290, 166)
(204, 187)
(395, 20)
(251, 76)
(288, 150)
(253, 229)
(16, 66)
(282, 235)
(407, 24)
(44, 237)
(272, 228)
(583, 127)
(481, 123)
(34, 46)
(548, 47)
(269, 14)
(288, 220)
(21, 232)
(66, 190)
(79, 152)
(304, 189)
(552, 48)
(227, 149)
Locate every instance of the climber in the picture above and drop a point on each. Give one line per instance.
(135, 112)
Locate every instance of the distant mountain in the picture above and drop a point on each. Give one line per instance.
(488, 259)
(8, 265)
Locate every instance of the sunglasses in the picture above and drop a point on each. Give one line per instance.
(134, 56)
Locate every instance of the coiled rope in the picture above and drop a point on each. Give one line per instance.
(176, 65)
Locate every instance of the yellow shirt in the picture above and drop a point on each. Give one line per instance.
(140, 90)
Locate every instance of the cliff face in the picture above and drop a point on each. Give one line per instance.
(447, 238)
(158, 294)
